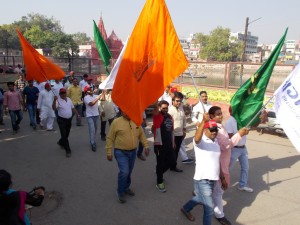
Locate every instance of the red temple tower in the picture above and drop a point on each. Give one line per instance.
(114, 44)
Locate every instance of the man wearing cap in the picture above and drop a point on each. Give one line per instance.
(92, 114)
(31, 93)
(226, 143)
(124, 135)
(44, 106)
(166, 95)
(65, 110)
(12, 103)
(207, 171)
(75, 94)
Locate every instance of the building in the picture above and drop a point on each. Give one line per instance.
(251, 43)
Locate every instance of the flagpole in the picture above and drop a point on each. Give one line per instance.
(196, 89)
(262, 108)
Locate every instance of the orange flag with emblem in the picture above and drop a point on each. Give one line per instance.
(37, 66)
(152, 60)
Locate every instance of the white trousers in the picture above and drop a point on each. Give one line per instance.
(47, 122)
(182, 151)
(218, 200)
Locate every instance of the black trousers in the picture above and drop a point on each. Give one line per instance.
(64, 128)
(165, 157)
(178, 141)
(103, 126)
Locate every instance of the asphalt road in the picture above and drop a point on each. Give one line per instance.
(81, 190)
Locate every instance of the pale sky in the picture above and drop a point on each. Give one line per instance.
(188, 16)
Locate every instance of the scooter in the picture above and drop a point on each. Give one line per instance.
(271, 125)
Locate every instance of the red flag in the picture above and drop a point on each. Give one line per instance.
(152, 60)
(38, 67)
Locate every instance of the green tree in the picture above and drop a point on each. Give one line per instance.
(81, 38)
(219, 46)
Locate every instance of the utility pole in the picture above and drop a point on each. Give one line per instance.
(243, 59)
(244, 50)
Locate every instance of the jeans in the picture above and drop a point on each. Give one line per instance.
(242, 155)
(31, 112)
(203, 190)
(64, 128)
(79, 110)
(125, 161)
(16, 116)
(92, 122)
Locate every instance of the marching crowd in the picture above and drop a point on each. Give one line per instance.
(216, 146)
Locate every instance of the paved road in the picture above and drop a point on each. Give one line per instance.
(81, 189)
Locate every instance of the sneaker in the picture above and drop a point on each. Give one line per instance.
(161, 187)
(247, 189)
(187, 161)
(188, 215)
(130, 192)
(141, 157)
(121, 198)
(223, 221)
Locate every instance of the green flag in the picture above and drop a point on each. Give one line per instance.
(248, 99)
(102, 48)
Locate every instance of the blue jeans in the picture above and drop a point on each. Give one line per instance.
(92, 122)
(31, 112)
(16, 116)
(125, 161)
(242, 155)
(204, 191)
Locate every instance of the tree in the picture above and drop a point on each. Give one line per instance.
(219, 46)
(81, 38)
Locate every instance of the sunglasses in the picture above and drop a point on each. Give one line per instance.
(213, 129)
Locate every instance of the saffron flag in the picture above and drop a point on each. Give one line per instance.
(248, 99)
(38, 67)
(287, 106)
(152, 60)
(102, 48)
(108, 83)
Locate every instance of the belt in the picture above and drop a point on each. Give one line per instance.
(124, 150)
(242, 146)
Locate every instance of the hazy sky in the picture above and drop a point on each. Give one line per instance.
(189, 16)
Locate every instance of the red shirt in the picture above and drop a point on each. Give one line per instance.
(13, 100)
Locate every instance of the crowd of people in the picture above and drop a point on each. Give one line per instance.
(216, 147)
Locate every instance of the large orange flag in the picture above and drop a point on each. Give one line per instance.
(152, 60)
(37, 66)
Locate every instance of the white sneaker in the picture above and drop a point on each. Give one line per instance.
(247, 189)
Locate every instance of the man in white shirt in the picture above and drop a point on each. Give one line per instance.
(207, 171)
(239, 151)
(56, 87)
(44, 107)
(166, 96)
(107, 111)
(179, 119)
(92, 114)
(65, 108)
(198, 111)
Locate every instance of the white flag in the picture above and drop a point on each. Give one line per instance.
(108, 83)
(287, 106)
